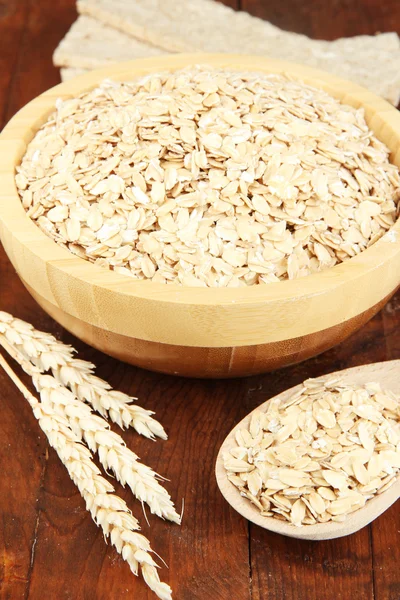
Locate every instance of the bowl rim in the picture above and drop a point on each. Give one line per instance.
(22, 127)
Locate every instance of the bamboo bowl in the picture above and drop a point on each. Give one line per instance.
(200, 332)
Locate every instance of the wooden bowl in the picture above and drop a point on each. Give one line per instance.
(200, 332)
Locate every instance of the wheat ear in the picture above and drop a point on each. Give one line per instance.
(49, 354)
(108, 510)
(95, 431)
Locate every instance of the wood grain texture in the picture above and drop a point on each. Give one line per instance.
(232, 3)
(33, 71)
(332, 569)
(21, 484)
(100, 306)
(385, 532)
(48, 542)
(13, 23)
(203, 362)
(328, 20)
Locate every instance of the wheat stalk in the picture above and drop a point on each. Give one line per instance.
(49, 354)
(94, 430)
(108, 510)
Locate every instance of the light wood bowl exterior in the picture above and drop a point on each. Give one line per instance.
(199, 332)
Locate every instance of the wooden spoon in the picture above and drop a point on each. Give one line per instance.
(385, 373)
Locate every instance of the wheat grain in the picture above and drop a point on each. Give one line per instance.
(108, 510)
(49, 354)
(94, 430)
(113, 454)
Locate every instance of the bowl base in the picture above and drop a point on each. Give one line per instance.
(207, 363)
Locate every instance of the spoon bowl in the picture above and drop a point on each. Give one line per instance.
(388, 375)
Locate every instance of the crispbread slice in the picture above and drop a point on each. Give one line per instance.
(205, 25)
(370, 61)
(68, 73)
(90, 44)
(182, 26)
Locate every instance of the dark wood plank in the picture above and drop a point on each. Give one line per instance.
(232, 3)
(328, 20)
(46, 23)
(284, 569)
(22, 448)
(385, 547)
(13, 17)
(385, 531)
(301, 570)
(391, 327)
(23, 464)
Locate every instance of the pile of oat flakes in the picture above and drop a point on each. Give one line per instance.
(208, 177)
(319, 455)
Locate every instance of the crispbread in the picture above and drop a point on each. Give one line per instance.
(178, 25)
(205, 25)
(370, 61)
(90, 44)
(68, 73)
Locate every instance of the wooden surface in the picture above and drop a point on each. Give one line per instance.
(49, 547)
(387, 373)
(202, 332)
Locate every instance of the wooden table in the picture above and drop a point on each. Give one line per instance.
(49, 546)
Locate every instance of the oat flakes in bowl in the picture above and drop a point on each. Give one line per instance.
(209, 177)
